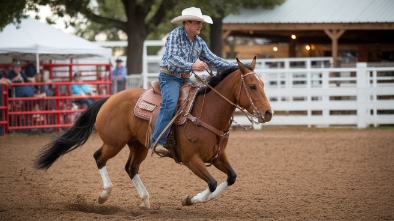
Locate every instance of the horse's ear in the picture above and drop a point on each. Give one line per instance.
(253, 64)
(241, 66)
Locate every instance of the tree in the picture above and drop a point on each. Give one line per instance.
(12, 11)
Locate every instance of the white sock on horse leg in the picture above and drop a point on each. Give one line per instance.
(201, 197)
(142, 192)
(106, 183)
(218, 190)
(105, 177)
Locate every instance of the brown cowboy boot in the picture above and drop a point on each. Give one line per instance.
(162, 150)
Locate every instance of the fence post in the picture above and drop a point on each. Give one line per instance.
(362, 95)
(309, 86)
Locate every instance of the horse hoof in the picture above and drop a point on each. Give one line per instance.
(102, 200)
(145, 204)
(187, 201)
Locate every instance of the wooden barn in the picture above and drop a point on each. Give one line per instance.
(350, 31)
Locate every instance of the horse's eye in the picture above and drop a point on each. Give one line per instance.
(252, 86)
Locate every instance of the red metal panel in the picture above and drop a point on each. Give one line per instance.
(52, 112)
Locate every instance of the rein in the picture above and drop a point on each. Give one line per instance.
(243, 110)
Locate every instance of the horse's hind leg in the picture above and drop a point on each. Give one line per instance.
(138, 153)
(101, 156)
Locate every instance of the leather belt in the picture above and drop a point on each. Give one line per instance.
(176, 74)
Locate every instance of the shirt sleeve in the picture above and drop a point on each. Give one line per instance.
(213, 60)
(10, 75)
(74, 89)
(25, 79)
(85, 88)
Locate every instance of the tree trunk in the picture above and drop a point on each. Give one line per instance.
(136, 36)
(215, 37)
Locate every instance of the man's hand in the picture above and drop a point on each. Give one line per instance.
(199, 66)
(5, 81)
(17, 78)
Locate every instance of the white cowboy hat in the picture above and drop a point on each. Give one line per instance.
(193, 14)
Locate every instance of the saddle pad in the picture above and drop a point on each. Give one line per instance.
(148, 105)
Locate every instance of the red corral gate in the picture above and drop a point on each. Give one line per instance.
(31, 114)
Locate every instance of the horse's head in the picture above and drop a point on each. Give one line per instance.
(251, 95)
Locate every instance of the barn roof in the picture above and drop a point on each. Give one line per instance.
(318, 11)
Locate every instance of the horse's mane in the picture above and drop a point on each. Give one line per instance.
(216, 79)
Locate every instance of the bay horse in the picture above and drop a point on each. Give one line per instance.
(117, 126)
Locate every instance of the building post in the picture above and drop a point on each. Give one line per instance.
(334, 35)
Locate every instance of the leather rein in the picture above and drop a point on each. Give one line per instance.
(256, 111)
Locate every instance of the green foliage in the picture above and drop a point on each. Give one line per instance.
(262, 3)
(12, 11)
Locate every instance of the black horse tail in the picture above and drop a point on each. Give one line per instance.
(70, 139)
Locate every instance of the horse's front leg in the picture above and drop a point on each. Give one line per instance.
(198, 167)
(223, 165)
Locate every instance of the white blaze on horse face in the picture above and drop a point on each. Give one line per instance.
(261, 83)
(107, 185)
(142, 192)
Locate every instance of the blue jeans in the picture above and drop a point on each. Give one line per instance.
(169, 86)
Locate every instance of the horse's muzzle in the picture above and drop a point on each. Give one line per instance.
(267, 116)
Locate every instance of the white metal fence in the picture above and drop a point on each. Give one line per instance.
(307, 91)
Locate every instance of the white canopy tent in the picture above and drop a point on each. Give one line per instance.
(33, 40)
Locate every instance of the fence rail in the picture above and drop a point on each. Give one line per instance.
(51, 112)
(308, 91)
(59, 108)
(301, 92)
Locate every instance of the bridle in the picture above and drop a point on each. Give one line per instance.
(256, 111)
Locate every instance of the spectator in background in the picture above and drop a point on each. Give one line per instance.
(41, 90)
(30, 70)
(81, 90)
(119, 77)
(16, 76)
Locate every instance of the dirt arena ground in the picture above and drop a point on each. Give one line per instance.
(283, 174)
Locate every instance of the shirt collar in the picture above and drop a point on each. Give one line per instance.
(185, 34)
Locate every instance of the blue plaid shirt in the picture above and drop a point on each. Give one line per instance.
(181, 53)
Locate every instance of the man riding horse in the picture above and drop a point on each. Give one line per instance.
(185, 52)
(200, 140)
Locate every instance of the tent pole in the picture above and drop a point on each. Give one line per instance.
(37, 63)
